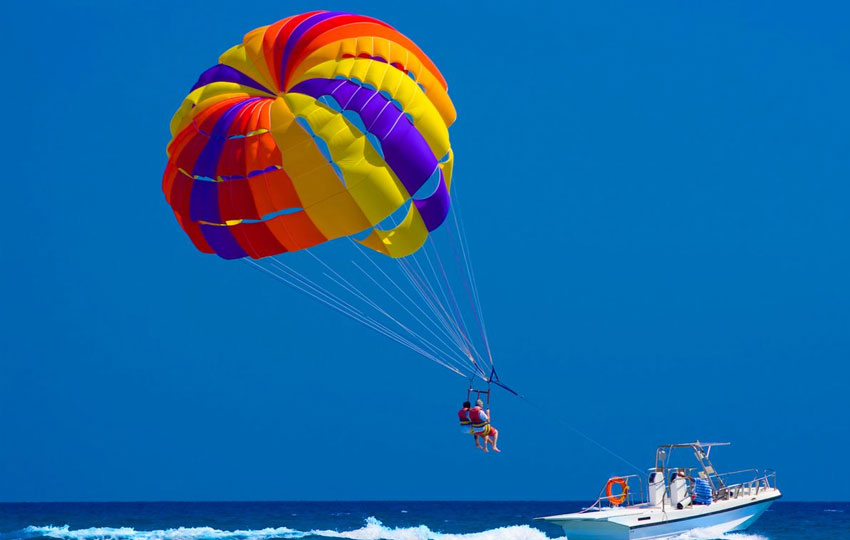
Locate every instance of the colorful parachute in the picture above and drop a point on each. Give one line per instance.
(317, 127)
(330, 125)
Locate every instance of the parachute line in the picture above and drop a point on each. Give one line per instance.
(470, 272)
(416, 305)
(341, 306)
(357, 293)
(432, 301)
(397, 301)
(454, 304)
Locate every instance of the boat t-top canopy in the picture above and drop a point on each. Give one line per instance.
(694, 444)
(701, 452)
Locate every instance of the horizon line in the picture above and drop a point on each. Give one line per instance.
(222, 501)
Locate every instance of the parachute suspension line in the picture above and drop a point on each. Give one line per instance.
(397, 301)
(430, 303)
(458, 313)
(423, 277)
(357, 315)
(464, 245)
(354, 291)
(339, 305)
(433, 304)
(489, 359)
(470, 272)
(446, 338)
(426, 293)
(452, 316)
(304, 281)
(423, 287)
(439, 303)
(436, 325)
(361, 295)
(328, 300)
(482, 332)
(474, 304)
(357, 293)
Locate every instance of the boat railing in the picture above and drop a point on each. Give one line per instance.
(760, 481)
(630, 497)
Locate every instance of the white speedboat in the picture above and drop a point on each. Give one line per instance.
(676, 500)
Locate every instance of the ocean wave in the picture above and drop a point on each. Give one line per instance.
(128, 533)
(373, 529)
(712, 534)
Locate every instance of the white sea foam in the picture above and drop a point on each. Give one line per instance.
(128, 533)
(372, 530)
(375, 530)
(712, 534)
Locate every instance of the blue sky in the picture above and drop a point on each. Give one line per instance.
(656, 199)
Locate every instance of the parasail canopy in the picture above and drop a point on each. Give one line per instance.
(323, 126)
(316, 127)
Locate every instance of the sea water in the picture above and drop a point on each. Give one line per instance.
(362, 521)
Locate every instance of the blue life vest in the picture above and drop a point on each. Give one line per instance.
(702, 491)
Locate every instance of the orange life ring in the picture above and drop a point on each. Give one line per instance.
(621, 498)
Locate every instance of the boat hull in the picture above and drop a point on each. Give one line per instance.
(712, 520)
(736, 519)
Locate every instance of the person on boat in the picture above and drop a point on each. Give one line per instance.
(466, 423)
(481, 426)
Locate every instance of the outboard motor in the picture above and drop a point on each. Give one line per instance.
(656, 488)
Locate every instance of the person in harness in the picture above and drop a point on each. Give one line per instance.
(466, 423)
(481, 426)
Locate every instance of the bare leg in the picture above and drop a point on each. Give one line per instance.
(477, 444)
(495, 440)
(485, 440)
